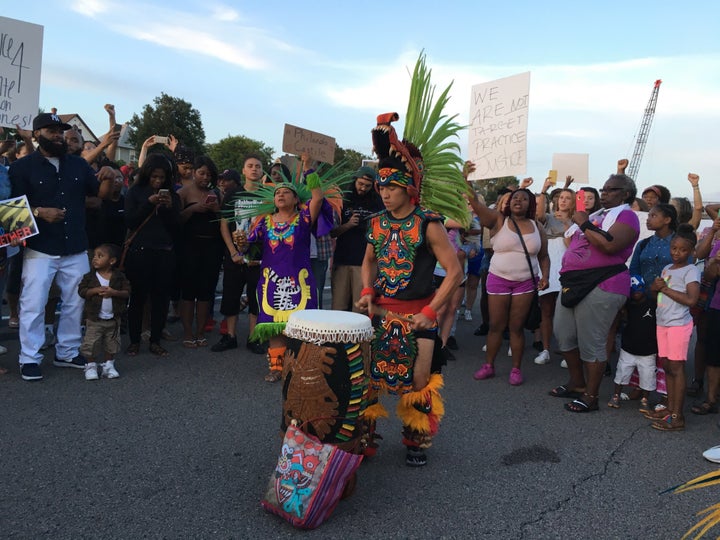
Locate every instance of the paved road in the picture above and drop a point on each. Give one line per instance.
(183, 447)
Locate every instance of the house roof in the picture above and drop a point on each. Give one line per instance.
(76, 120)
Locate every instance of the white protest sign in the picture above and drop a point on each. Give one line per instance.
(575, 165)
(497, 138)
(20, 63)
(299, 141)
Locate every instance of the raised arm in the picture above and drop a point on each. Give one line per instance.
(694, 180)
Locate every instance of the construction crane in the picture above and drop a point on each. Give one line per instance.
(641, 140)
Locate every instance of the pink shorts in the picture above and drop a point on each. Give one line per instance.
(673, 341)
(497, 285)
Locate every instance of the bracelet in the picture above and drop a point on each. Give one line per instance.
(429, 312)
(585, 225)
(366, 291)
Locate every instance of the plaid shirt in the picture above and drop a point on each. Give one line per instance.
(324, 246)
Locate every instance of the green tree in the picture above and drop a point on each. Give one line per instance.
(489, 187)
(168, 116)
(230, 152)
(349, 159)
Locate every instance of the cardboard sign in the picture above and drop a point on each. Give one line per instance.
(497, 137)
(575, 165)
(20, 64)
(298, 141)
(16, 220)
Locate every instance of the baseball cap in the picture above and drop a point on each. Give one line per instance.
(230, 174)
(364, 172)
(44, 120)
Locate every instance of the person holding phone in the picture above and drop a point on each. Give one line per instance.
(202, 250)
(152, 209)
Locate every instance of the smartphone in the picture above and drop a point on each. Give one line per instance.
(117, 128)
(164, 192)
(580, 201)
(160, 140)
(552, 175)
(211, 198)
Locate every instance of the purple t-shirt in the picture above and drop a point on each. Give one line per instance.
(581, 255)
(715, 302)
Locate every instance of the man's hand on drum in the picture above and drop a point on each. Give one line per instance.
(364, 303)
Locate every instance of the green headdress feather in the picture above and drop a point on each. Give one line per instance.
(426, 127)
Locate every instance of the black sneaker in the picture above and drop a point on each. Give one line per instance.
(482, 330)
(255, 347)
(31, 372)
(446, 355)
(78, 362)
(415, 457)
(226, 343)
(452, 344)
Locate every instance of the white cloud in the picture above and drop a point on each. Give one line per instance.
(91, 8)
(225, 13)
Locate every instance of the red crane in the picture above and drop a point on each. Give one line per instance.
(641, 141)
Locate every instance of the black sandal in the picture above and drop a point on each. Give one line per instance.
(133, 349)
(157, 350)
(564, 392)
(579, 405)
(704, 408)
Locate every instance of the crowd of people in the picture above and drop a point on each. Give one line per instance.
(133, 248)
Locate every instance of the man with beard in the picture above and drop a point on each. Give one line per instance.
(56, 185)
(358, 205)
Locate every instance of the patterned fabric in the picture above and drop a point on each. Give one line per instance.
(286, 283)
(324, 247)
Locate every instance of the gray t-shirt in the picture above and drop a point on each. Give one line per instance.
(669, 312)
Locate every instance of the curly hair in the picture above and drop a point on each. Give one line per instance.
(532, 204)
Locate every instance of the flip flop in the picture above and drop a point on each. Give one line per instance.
(564, 392)
(189, 344)
(579, 406)
(201, 342)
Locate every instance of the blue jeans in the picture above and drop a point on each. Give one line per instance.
(319, 270)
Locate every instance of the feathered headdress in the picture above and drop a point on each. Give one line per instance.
(425, 161)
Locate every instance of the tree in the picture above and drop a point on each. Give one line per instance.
(230, 152)
(489, 187)
(169, 116)
(349, 159)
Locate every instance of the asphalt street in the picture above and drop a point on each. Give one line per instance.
(183, 447)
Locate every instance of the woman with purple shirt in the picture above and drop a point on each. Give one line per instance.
(602, 240)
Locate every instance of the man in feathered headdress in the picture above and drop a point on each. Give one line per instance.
(405, 242)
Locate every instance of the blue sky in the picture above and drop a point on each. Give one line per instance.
(250, 67)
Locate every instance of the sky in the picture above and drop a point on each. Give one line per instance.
(332, 67)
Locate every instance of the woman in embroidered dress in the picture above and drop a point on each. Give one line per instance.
(286, 281)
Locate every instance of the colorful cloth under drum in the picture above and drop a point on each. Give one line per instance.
(325, 373)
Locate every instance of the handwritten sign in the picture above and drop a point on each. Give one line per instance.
(497, 138)
(20, 63)
(298, 141)
(16, 220)
(575, 165)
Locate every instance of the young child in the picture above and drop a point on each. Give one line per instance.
(105, 290)
(638, 348)
(678, 289)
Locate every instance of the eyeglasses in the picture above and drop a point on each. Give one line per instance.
(610, 189)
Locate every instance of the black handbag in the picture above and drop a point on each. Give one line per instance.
(577, 284)
(534, 316)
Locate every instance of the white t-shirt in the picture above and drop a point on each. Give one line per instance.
(106, 309)
(669, 312)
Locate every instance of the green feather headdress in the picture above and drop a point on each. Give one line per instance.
(331, 180)
(427, 153)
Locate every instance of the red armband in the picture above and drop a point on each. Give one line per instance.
(429, 312)
(366, 291)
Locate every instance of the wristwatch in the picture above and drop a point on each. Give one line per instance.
(36, 211)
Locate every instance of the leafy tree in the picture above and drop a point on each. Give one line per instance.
(349, 159)
(230, 152)
(489, 187)
(168, 116)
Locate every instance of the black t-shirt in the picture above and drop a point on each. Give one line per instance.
(350, 246)
(639, 336)
(237, 199)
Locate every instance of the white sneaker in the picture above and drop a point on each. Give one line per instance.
(563, 364)
(3, 349)
(712, 454)
(109, 371)
(509, 351)
(542, 358)
(484, 348)
(468, 315)
(91, 373)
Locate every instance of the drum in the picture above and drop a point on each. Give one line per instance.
(325, 383)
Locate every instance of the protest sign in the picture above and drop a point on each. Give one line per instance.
(20, 63)
(575, 165)
(497, 137)
(16, 220)
(299, 141)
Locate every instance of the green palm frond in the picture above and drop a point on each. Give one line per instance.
(431, 131)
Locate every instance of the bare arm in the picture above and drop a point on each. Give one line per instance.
(368, 272)
(622, 235)
(446, 255)
(712, 210)
(694, 180)
(688, 298)
(704, 247)
(544, 260)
